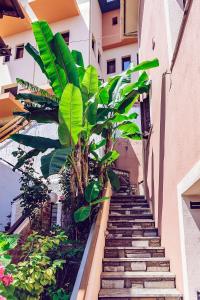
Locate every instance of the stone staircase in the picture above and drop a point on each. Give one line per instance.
(134, 264)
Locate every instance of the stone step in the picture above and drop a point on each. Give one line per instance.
(151, 280)
(136, 264)
(128, 201)
(114, 216)
(133, 224)
(133, 252)
(129, 196)
(133, 241)
(129, 232)
(128, 211)
(136, 294)
(129, 205)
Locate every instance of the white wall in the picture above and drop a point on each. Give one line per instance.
(26, 68)
(118, 53)
(9, 189)
(9, 180)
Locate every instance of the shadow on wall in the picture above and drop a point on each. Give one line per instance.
(130, 158)
(149, 160)
(162, 151)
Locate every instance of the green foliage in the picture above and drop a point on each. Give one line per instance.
(34, 189)
(70, 116)
(39, 143)
(54, 71)
(53, 162)
(109, 158)
(65, 59)
(90, 81)
(145, 65)
(39, 266)
(82, 213)
(114, 179)
(38, 99)
(7, 243)
(92, 191)
(59, 294)
(36, 56)
(78, 58)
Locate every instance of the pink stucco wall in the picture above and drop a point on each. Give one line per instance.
(110, 33)
(130, 158)
(174, 145)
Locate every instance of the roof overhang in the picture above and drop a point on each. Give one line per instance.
(10, 8)
(107, 5)
(51, 12)
(9, 123)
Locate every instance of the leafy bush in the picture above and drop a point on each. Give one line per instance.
(39, 265)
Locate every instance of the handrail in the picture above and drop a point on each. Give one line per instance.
(87, 283)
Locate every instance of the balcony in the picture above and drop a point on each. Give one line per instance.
(10, 124)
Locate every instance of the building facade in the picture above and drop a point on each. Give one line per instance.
(169, 30)
(96, 28)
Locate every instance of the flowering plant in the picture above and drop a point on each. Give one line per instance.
(7, 289)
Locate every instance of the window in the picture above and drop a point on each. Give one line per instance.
(6, 58)
(111, 66)
(126, 62)
(93, 43)
(114, 21)
(99, 57)
(65, 36)
(12, 90)
(19, 51)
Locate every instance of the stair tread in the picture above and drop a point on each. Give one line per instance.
(118, 208)
(132, 215)
(132, 221)
(134, 238)
(130, 196)
(136, 259)
(132, 229)
(112, 293)
(135, 248)
(137, 274)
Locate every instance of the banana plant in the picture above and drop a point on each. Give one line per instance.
(82, 107)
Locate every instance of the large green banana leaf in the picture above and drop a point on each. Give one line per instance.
(53, 162)
(54, 71)
(35, 142)
(65, 59)
(78, 58)
(145, 65)
(90, 81)
(41, 100)
(70, 115)
(36, 56)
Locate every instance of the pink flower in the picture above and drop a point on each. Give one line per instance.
(7, 279)
(2, 298)
(2, 270)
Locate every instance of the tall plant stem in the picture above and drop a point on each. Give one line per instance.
(73, 162)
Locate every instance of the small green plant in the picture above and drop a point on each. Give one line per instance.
(34, 189)
(58, 294)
